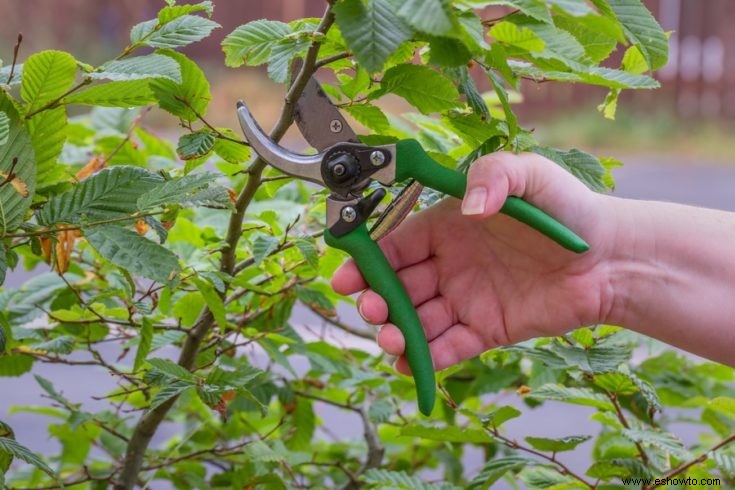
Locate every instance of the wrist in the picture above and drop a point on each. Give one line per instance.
(635, 274)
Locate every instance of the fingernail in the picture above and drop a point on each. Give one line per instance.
(359, 310)
(474, 201)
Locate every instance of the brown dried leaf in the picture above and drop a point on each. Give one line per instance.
(142, 227)
(19, 186)
(96, 164)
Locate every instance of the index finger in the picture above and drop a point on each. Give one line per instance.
(407, 245)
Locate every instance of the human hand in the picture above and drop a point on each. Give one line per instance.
(480, 279)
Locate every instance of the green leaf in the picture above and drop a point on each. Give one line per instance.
(584, 166)
(499, 416)
(370, 116)
(510, 117)
(251, 44)
(576, 396)
(14, 365)
(515, 36)
(46, 76)
(433, 17)
(139, 68)
(188, 98)
(385, 479)
(21, 452)
(4, 128)
(448, 52)
(594, 75)
(134, 253)
(263, 246)
(168, 392)
(213, 196)
(451, 433)
(725, 462)
(109, 194)
(60, 345)
(196, 145)
(545, 477)
(372, 30)
(380, 411)
(231, 151)
(303, 422)
(181, 31)
(175, 191)
(597, 34)
(13, 205)
(142, 30)
(556, 445)
(133, 93)
(144, 346)
(558, 44)
(468, 88)
(171, 369)
(171, 12)
(214, 302)
(619, 468)
(536, 9)
(494, 469)
(282, 55)
(640, 28)
(659, 439)
(724, 405)
(48, 135)
(308, 251)
(422, 87)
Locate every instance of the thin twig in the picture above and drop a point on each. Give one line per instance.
(216, 131)
(331, 59)
(16, 49)
(682, 468)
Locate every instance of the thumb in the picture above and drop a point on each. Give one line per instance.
(491, 179)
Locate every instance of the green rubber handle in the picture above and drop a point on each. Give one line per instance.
(413, 162)
(381, 277)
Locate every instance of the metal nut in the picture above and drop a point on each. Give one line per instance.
(335, 126)
(349, 214)
(377, 158)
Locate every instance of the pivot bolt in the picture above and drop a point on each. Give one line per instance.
(338, 170)
(349, 214)
(377, 158)
(335, 126)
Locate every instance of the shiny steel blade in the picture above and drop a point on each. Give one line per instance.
(307, 167)
(319, 120)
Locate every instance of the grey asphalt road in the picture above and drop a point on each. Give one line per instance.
(709, 184)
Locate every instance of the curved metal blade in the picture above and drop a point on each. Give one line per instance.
(319, 120)
(306, 167)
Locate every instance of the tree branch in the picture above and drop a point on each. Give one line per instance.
(701, 459)
(150, 421)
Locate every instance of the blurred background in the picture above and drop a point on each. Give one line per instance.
(677, 142)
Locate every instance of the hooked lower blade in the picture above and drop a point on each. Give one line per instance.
(319, 120)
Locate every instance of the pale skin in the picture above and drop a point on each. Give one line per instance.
(480, 280)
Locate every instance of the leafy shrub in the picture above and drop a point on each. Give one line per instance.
(181, 282)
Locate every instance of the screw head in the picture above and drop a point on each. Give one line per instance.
(377, 158)
(335, 126)
(349, 214)
(338, 170)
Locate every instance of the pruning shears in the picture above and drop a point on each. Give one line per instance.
(347, 168)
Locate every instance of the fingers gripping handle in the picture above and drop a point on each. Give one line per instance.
(383, 280)
(413, 162)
